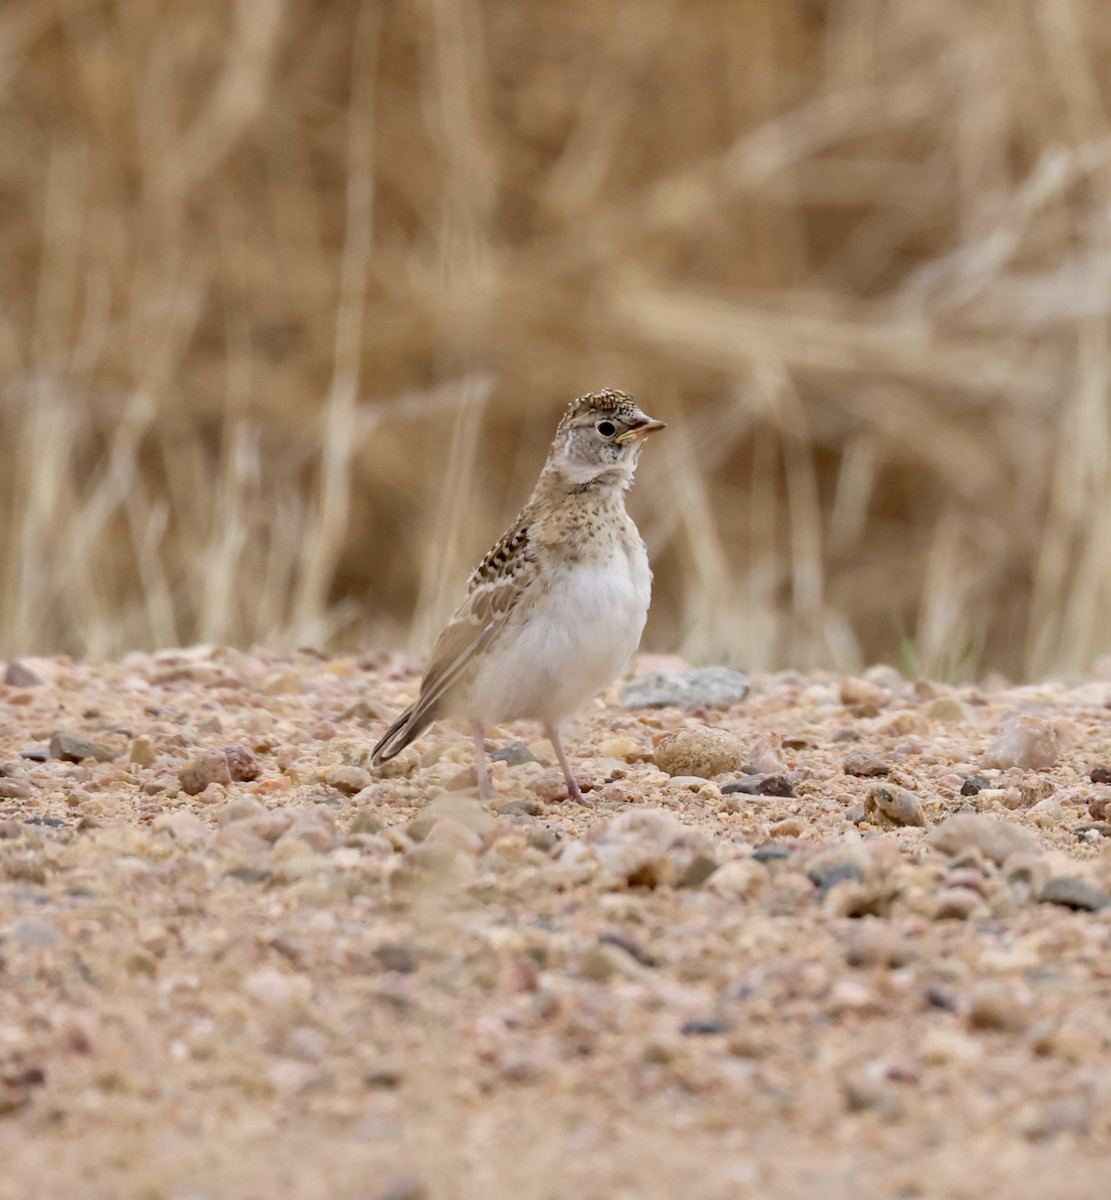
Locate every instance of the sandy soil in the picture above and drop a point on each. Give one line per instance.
(236, 963)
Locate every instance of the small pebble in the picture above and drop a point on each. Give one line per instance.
(202, 770)
(897, 805)
(631, 946)
(742, 878)
(401, 959)
(697, 870)
(787, 827)
(865, 765)
(282, 683)
(15, 782)
(994, 1005)
(243, 767)
(607, 961)
(946, 710)
(520, 807)
(860, 693)
(939, 997)
(761, 785)
(942, 1044)
(243, 808)
(871, 1095)
(974, 784)
(621, 746)
(541, 839)
(366, 820)
(143, 751)
(874, 944)
(852, 995)
(955, 903)
(349, 780)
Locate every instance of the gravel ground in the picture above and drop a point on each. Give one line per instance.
(839, 938)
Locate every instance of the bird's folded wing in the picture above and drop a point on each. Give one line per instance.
(496, 597)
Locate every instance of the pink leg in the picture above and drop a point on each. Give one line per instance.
(485, 787)
(574, 792)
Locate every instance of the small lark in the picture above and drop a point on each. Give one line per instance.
(555, 609)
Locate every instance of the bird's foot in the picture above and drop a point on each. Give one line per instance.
(574, 792)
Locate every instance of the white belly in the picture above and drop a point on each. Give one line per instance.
(577, 639)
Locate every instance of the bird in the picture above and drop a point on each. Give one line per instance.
(556, 608)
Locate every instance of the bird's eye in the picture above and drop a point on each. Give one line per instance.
(607, 428)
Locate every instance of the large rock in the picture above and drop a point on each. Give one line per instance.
(702, 687)
(699, 750)
(1026, 742)
(70, 748)
(995, 839)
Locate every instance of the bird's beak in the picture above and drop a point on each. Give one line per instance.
(639, 431)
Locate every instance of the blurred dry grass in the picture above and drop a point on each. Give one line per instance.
(293, 293)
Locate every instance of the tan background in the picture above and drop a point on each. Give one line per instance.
(292, 294)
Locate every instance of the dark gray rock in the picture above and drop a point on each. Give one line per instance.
(70, 748)
(399, 958)
(1074, 893)
(773, 784)
(702, 687)
(771, 852)
(697, 871)
(974, 784)
(514, 754)
(827, 874)
(704, 1026)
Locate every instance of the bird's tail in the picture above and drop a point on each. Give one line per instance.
(407, 728)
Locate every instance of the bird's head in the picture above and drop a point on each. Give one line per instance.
(600, 438)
